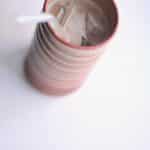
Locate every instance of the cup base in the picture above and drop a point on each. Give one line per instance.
(45, 88)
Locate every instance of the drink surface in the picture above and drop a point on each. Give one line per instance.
(80, 23)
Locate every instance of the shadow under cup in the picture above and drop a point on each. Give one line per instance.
(58, 67)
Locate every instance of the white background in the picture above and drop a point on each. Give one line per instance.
(110, 112)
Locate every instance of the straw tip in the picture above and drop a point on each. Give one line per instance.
(20, 20)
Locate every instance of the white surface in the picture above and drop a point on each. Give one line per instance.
(110, 112)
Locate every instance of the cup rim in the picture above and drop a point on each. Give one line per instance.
(101, 44)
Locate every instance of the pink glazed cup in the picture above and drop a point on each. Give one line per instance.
(57, 67)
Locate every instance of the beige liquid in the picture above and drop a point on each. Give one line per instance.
(86, 23)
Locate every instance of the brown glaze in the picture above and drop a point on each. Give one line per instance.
(57, 67)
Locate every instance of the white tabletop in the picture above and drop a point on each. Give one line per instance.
(110, 112)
